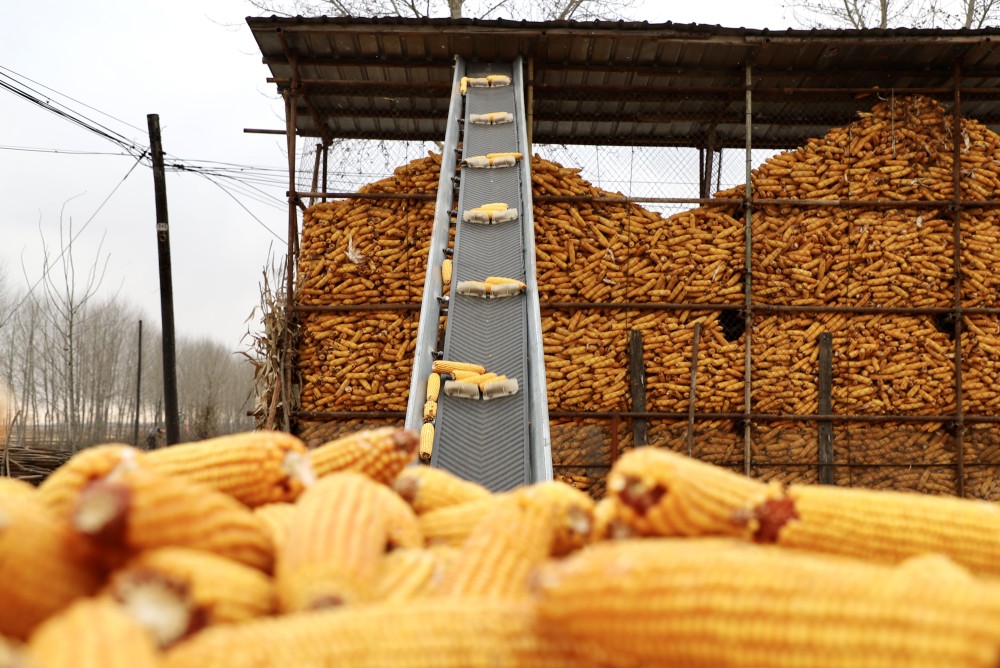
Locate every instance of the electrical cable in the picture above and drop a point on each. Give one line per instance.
(69, 244)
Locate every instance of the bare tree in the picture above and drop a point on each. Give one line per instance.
(67, 298)
(532, 10)
(895, 13)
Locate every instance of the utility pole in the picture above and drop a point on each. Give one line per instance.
(166, 282)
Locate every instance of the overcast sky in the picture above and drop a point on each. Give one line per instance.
(196, 65)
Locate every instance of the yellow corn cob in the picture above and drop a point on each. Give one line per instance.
(402, 528)
(433, 387)
(12, 654)
(43, 565)
(335, 544)
(254, 467)
(378, 453)
(499, 280)
(447, 366)
(453, 524)
(464, 375)
(505, 154)
(881, 526)
(494, 206)
(608, 525)
(276, 518)
(415, 634)
(572, 511)
(664, 493)
(719, 602)
(59, 490)
(446, 269)
(92, 633)
(407, 574)
(15, 487)
(480, 379)
(174, 591)
(426, 442)
(426, 489)
(140, 510)
(498, 80)
(430, 410)
(502, 550)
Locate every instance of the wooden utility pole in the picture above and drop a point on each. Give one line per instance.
(166, 282)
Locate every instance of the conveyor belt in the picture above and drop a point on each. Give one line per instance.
(502, 442)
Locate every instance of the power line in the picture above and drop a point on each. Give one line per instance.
(69, 244)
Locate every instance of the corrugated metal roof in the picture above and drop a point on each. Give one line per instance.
(616, 82)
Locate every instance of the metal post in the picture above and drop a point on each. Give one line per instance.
(747, 286)
(956, 209)
(293, 234)
(825, 444)
(694, 386)
(166, 282)
(530, 105)
(315, 176)
(637, 386)
(138, 389)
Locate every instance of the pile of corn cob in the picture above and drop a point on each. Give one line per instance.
(252, 551)
(361, 252)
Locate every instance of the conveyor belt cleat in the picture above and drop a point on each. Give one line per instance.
(499, 388)
(460, 389)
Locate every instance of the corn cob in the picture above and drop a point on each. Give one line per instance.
(433, 387)
(720, 602)
(607, 523)
(426, 489)
(880, 525)
(663, 493)
(92, 633)
(378, 453)
(174, 591)
(335, 544)
(140, 510)
(502, 550)
(407, 574)
(451, 525)
(402, 527)
(499, 280)
(12, 654)
(60, 489)
(572, 512)
(463, 376)
(15, 487)
(492, 118)
(446, 269)
(426, 442)
(276, 518)
(415, 634)
(44, 564)
(254, 467)
(447, 366)
(430, 411)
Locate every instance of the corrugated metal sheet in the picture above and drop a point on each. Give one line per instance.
(618, 83)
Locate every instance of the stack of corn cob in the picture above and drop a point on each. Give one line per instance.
(252, 551)
(597, 252)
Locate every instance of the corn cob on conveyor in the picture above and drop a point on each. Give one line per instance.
(490, 416)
